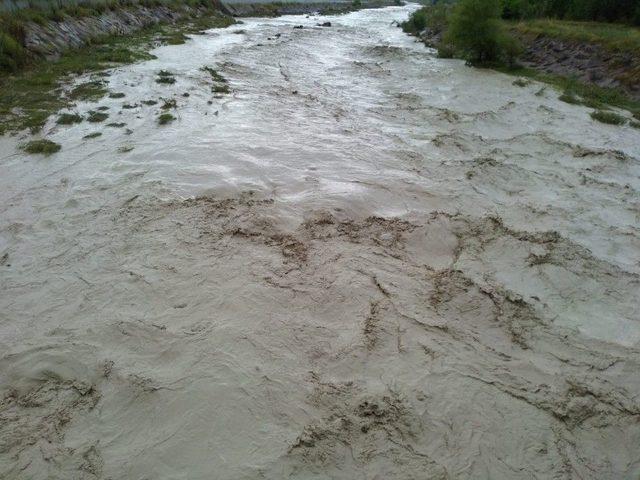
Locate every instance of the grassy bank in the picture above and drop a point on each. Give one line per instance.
(434, 25)
(615, 38)
(36, 91)
(14, 25)
(578, 93)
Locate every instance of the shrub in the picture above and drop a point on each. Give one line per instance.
(220, 89)
(475, 32)
(68, 119)
(434, 18)
(569, 97)
(165, 118)
(12, 54)
(45, 147)
(96, 117)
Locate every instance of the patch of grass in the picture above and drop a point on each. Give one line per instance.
(220, 89)
(165, 118)
(609, 118)
(68, 119)
(97, 117)
(576, 92)
(12, 53)
(169, 104)
(125, 149)
(176, 38)
(116, 124)
(568, 97)
(45, 147)
(149, 102)
(612, 36)
(635, 124)
(165, 77)
(92, 135)
(117, 95)
(214, 74)
(128, 106)
(90, 91)
(522, 82)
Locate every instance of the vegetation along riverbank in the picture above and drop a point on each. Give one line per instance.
(592, 56)
(44, 50)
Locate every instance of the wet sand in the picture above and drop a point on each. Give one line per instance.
(363, 262)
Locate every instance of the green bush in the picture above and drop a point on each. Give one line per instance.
(165, 118)
(45, 147)
(433, 17)
(476, 33)
(609, 118)
(12, 54)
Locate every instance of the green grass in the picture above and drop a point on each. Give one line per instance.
(165, 77)
(176, 38)
(116, 124)
(68, 119)
(31, 92)
(220, 89)
(214, 74)
(92, 135)
(97, 117)
(609, 118)
(579, 93)
(165, 118)
(614, 37)
(89, 91)
(522, 82)
(45, 147)
(117, 95)
(149, 102)
(168, 104)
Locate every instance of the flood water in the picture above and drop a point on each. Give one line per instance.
(363, 262)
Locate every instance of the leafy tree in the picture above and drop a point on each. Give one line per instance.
(476, 33)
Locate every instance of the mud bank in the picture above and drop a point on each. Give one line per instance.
(362, 261)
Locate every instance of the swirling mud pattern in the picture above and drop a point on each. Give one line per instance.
(344, 258)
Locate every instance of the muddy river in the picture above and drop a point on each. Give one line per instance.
(363, 262)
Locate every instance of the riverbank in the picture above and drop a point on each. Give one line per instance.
(32, 34)
(31, 95)
(595, 64)
(601, 54)
(54, 52)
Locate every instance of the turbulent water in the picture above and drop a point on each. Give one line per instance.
(363, 262)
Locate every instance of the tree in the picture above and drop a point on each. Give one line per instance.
(475, 30)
